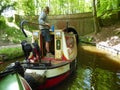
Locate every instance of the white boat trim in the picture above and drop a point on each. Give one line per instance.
(51, 72)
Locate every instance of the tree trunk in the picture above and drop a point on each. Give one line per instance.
(96, 24)
(118, 11)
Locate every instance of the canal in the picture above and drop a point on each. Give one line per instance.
(96, 70)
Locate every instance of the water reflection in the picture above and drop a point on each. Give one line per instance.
(95, 71)
(84, 78)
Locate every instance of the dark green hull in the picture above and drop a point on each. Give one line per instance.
(13, 81)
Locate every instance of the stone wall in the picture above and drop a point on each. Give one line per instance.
(82, 23)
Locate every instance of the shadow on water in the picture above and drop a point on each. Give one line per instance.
(95, 71)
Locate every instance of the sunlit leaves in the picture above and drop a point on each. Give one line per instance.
(34, 7)
(107, 7)
(4, 4)
(26, 7)
(58, 7)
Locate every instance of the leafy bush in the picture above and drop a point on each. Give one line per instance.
(10, 19)
(2, 23)
(11, 53)
(14, 35)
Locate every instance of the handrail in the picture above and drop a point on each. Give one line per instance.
(4, 73)
(25, 21)
(22, 27)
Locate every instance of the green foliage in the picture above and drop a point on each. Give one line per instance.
(2, 25)
(4, 4)
(14, 35)
(57, 7)
(70, 6)
(26, 7)
(10, 33)
(12, 53)
(107, 7)
(10, 19)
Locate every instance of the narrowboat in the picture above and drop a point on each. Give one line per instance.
(43, 72)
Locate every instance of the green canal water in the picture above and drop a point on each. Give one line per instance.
(95, 71)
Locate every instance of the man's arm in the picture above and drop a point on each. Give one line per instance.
(42, 22)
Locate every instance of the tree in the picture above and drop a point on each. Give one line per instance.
(107, 7)
(4, 4)
(96, 25)
(26, 7)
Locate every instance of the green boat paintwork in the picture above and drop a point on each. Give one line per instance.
(11, 82)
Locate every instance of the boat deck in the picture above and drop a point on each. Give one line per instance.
(47, 62)
(54, 62)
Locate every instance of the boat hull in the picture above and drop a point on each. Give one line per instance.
(13, 81)
(43, 78)
(45, 71)
(52, 82)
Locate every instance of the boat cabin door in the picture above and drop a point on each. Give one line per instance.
(56, 43)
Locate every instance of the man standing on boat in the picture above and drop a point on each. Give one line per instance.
(44, 27)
